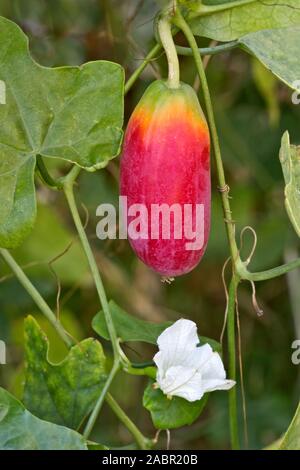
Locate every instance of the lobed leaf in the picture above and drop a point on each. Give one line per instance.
(62, 393)
(70, 113)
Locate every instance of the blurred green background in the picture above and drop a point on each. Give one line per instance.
(253, 110)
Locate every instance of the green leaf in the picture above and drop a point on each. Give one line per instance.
(290, 162)
(17, 194)
(20, 430)
(171, 413)
(130, 328)
(69, 113)
(278, 51)
(62, 393)
(233, 23)
(291, 440)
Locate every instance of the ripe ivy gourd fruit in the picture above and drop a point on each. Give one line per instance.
(165, 172)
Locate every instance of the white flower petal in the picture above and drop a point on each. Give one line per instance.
(213, 368)
(185, 369)
(177, 343)
(201, 356)
(182, 382)
(174, 378)
(213, 385)
(214, 375)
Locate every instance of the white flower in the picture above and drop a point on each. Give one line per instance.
(184, 368)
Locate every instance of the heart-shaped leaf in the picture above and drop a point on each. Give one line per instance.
(70, 113)
(62, 393)
(232, 22)
(171, 413)
(130, 328)
(290, 162)
(20, 430)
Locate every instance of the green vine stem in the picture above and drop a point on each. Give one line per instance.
(268, 274)
(96, 410)
(166, 37)
(232, 393)
(143, 371)
(45, 175)
(69, 192)
(223, 187)
(228, 46)
(131, 81)
(141, 440)
(36, 296)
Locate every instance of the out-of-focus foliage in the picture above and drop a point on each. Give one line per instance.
(72, 32)
(267, 84)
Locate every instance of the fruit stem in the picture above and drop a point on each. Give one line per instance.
(187, 51)
(166, 37)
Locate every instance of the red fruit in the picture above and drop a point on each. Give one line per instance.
(166, 161)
